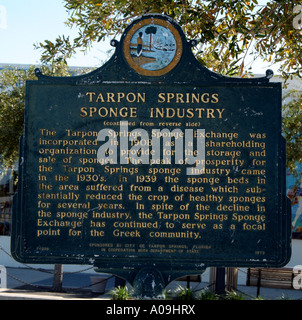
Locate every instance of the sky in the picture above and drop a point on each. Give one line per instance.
(26, 22)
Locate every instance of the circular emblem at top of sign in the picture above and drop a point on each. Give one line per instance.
(152, 46)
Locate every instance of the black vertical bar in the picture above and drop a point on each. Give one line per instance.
(259, 282)
(119, 282)
(220, 281)
(248, 280)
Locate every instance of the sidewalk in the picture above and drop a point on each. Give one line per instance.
(28, 284)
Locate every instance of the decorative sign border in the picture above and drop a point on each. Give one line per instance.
(127, 47)
(83, 102)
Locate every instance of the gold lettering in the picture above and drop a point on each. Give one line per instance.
(215, 98)
(111, 97)
(120, 95)
(100, 97)
(197, 97)
(189, 113)
(110, 112)
(83, 113)
(90, 95)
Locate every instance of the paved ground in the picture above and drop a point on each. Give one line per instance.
(25, 283)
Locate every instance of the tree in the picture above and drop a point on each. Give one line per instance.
(292, 130)
(229, 31)
(150, 30)
(12, 100)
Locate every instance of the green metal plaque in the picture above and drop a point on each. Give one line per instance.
(152, 161)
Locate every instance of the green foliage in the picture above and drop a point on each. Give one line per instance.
(120, 293)
(184, 294)
(188, 294)
(292, 130)
(233, 295)
(206, 294)
(12, 100)
(228, 30)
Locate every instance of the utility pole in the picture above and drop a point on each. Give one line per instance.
(220, 281)
(57, 278)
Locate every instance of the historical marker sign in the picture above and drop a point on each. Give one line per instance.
(152, 160)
